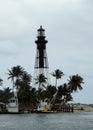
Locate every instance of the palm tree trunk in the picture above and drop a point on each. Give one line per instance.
(13, 87)
(56, 83)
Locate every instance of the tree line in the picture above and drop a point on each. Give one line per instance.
(27, 94)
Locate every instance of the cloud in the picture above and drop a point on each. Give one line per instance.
(19, 16)
(14, 18)
(8, 48)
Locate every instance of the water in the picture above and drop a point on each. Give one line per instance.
(57, 121)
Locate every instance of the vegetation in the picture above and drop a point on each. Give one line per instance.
(1, 82)
(5, 95)
(57, 74)
(28, 95)
(41, 80)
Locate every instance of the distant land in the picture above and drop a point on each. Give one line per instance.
(83, 107)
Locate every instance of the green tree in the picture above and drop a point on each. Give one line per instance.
(50, 91)
(5, 95)
(68, 98)
(75, 82)
(63, 94)
(1, 82)
(33, 97)
(24, 88)
(41, 80)
(57, 74)
(14, 74)
(63, 91)
(11, 74)
(24, 79)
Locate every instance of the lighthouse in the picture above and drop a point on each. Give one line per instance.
(41, 60)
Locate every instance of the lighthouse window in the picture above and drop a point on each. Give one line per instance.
(41, 33)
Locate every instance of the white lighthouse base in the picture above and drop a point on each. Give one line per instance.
(44, 107)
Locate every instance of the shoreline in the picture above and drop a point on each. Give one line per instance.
(76, 108)
(83, 108)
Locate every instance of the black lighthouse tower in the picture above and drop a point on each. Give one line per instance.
(41, 60)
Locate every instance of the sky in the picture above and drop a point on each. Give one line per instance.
(69, 30)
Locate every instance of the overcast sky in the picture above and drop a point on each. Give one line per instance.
(69, 30)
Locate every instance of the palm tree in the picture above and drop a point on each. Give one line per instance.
(24, 92)
(1, 82)
(12, 75)
(57, 74)
(33, 97)
(15, 73)
(41, 80)
(50, 91)
(26, 78)
(68, 98)
(18, 72)
(23, 86)
(63, 90)
(75, 82)
(64, 93)
(5, 95)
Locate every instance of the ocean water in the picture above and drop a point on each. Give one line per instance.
(56, 121)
